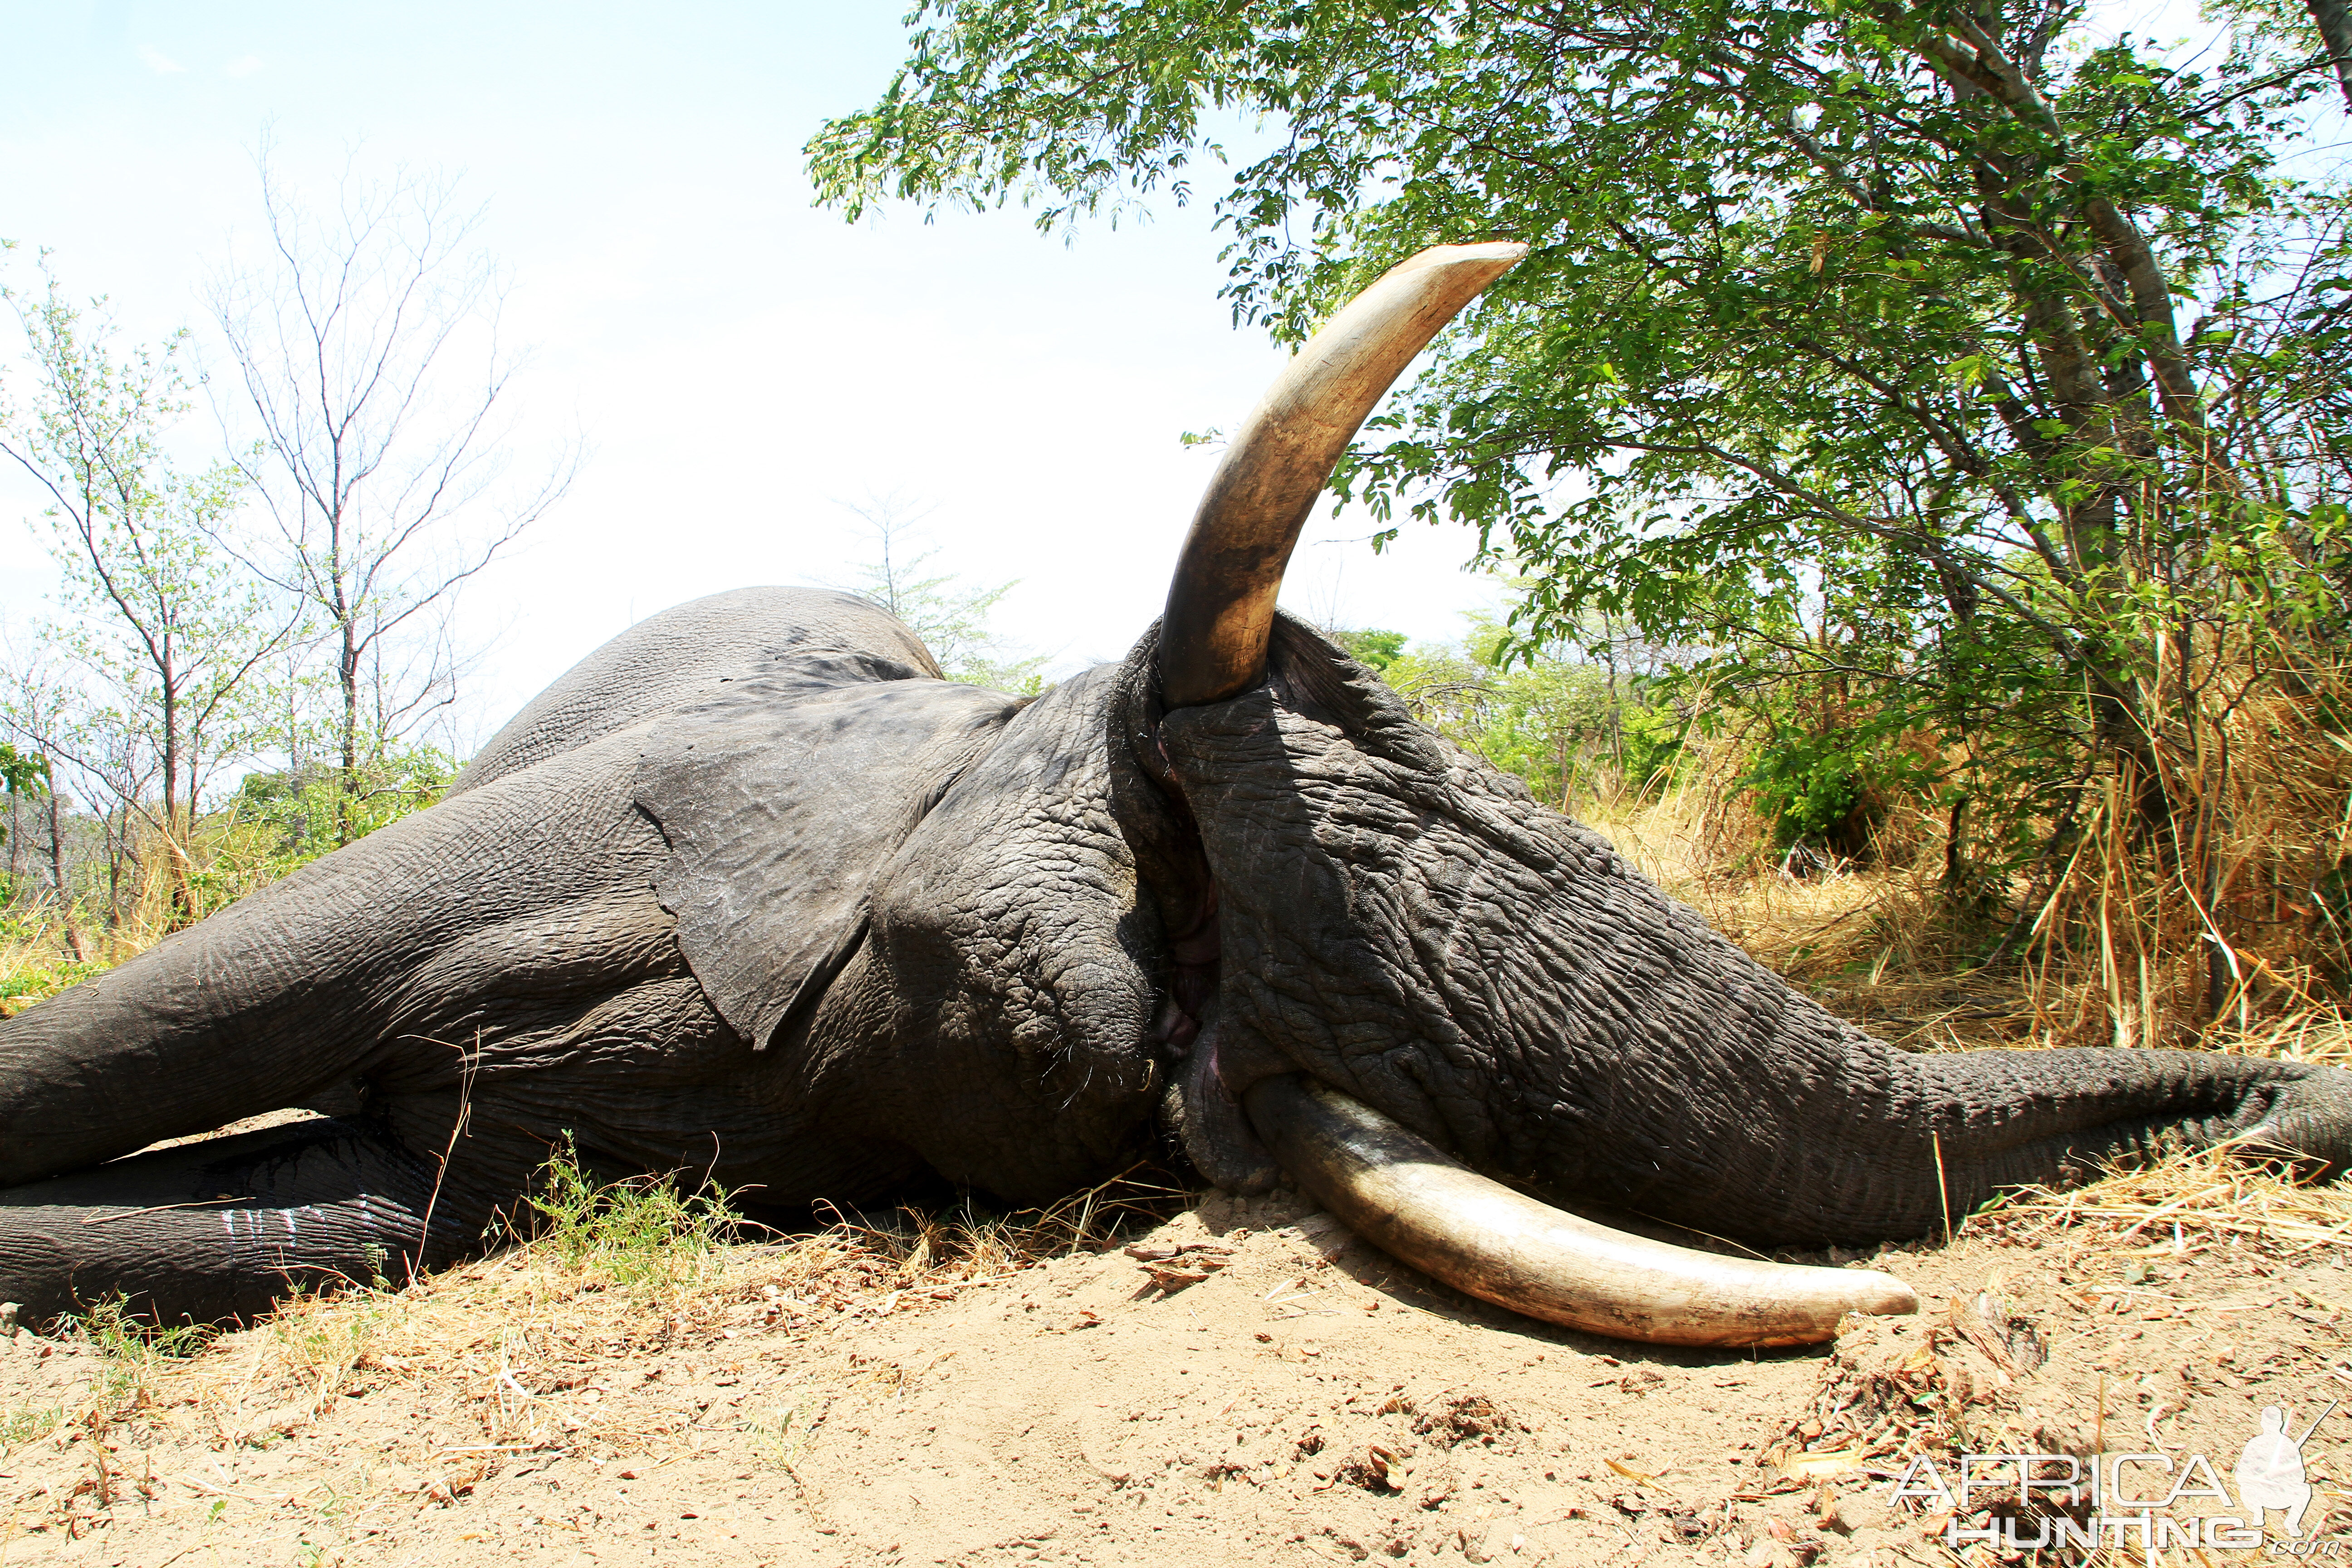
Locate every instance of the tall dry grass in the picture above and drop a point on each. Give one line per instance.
(2112, 945)
(2242, 914)
(226, 857)
(2230, 929)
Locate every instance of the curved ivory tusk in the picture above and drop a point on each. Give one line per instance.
(1397, 1191)
(1220, 599)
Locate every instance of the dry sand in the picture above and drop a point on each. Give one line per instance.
(1309, 1401)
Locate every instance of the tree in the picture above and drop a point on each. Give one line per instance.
(1954, 353)
(365, 343)
(159, 617)
(23, 776)
(1373, 649)
(35, 703)
(2332, 19)
(951, 619)
(1566, 720)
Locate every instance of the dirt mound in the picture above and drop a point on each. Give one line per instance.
(1307, 1399)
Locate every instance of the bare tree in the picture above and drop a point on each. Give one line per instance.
(366, 343)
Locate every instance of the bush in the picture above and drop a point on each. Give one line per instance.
(1815, 790)
(641, 1233)
(1564, 724)
(279, 821)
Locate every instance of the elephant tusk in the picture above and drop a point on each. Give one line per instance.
(1400, 1192)
(1212, 639)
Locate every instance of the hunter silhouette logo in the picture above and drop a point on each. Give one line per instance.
(2045, 1492)
(2270, 1472)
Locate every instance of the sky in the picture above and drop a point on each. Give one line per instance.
(739, 362)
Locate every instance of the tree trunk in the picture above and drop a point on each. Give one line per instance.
(2334, 19)
(348, 671)
(1616, 704)
(57, 868)
(118, 860)
(174, 851)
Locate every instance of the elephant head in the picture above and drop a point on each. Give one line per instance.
(752, 894)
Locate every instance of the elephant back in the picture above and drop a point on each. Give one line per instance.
(682, 658)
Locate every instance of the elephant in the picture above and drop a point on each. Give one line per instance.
(754, 896)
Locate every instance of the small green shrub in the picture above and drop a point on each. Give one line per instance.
(129, 1351)
(640, 1232)
(1654, 750)
(22, 1423)
(122, 1338)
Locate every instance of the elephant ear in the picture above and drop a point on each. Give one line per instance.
(782, 799)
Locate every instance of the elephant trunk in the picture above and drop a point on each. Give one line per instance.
(1953, 1131)
(1397, 1191)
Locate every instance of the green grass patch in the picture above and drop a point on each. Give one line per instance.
(641, 1233)
(22, 1423)
(129, 1351)
(37, 980)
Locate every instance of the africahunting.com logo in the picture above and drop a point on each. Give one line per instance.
(2036, 1502)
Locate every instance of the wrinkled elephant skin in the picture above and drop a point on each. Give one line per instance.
(753, 894)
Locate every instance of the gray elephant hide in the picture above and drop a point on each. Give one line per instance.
(780, 801)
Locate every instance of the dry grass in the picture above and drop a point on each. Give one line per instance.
(648, 1270)
(36, 965)
(2105, 1261)
(1879, 943)
(2220, 920)
(2197, 1196)
(1872, 943)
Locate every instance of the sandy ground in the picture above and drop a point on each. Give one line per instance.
(1309, 1400)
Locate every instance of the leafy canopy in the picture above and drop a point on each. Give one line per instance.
(1987, 370)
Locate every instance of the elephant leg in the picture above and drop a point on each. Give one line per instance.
(586, 1036)
(301, 986)
(217, 1230)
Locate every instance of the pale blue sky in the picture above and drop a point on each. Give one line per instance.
(739, 359)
